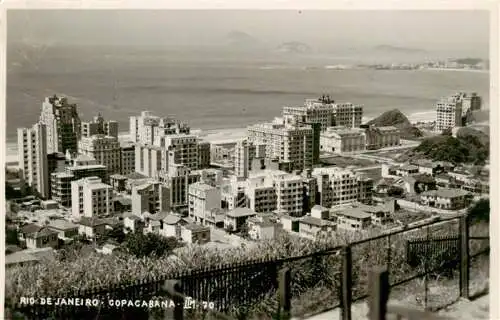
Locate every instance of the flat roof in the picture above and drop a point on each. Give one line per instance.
(357, 213)
(315, 221)
(241, 212)
(61, 224)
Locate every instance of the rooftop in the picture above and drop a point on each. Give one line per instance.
(30, 228)
(315, 221)
(136, 175)
(196, 227)
(60, 224)
(200, 186)
(118, 177)
(42, 233)
(241, 212)
(91, 222)
(357, 213)
(446, 193)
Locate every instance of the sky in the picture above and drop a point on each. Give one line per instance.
(459, 30)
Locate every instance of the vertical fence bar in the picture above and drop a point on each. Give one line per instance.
(464, 256)
(346, 285)
(379, 293)
(389, 253)
(285, 294)
(427, 252)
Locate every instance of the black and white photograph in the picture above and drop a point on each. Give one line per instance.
(248, 164)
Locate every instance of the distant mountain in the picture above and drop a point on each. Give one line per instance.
(397, 119)
(469, 61)
(389, 48)
(294, 47)
(241, 39)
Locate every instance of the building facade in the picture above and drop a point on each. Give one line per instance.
(147, 127)
(448, 113)
(348, 115)
(127, 158)
(105, 149)
(382, 137)
(203, 199)
(99, 126)
(63, 124)
(341, 140)
(32, 158)
(152, 197)
(90, 197)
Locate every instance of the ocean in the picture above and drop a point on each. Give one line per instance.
(213, 89)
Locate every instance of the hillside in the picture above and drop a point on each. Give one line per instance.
(483, 137)
(397, 119)
(466, 148)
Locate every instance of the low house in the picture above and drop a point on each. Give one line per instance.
(27, 229)
(311, 227)
(43, 238)
(443, 180)
(289, 223)
(28, 257)
(262, 227)
(406, 170)
(91, 227)
(237, 217)
(132, 223)
(353, 219)
(49, 205)
(448, 199)
(122, 204)
(429, 167)
(172, 226)
(416, 184)
(194, 233)
(65, 229)
(153, 226)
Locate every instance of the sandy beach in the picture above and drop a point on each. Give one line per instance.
(220, 135)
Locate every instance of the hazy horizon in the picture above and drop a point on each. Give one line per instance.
(455, 33)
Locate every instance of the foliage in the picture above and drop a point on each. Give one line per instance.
(11, 193)
(11, 236)
(116, 234)
(480, 212)
(468, 149)
(150, 244)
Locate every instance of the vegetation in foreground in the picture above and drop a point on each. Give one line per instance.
(313, 282)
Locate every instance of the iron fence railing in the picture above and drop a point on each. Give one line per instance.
(340, 274)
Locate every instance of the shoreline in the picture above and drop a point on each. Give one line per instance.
(219, 135)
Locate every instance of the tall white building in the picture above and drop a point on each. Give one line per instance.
(313, 111)
(348, 115)
(336, 186)
(150, 160)
(32, 157)
(291, 145)
(99, 126)
(203, 199)
(90, 197)
(152, 197)
(63, 124)
(244, 153)
(145, 128)
(275, 191)
(448, 113)
(105, 149)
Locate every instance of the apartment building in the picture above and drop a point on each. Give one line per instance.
(61, 188)
(127, 158)
(337, 186)
(448, 113)
(341, 139)
(147, 127)
(244, 153)
(32, 158)
(177, 180)
(291, 145)
(99, 126)
(90, 197)
(105, 149)
(382, 137)
(203, 154)
(313, 111)
(63, 124)
(202, 200)
(348, 115)
(310, 186)
(184, 148)
(448, 199)
(152, 197)
(150, 160)
(275, 191)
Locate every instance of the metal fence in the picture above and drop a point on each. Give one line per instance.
(315, 282)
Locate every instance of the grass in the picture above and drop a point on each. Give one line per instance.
(314, 280)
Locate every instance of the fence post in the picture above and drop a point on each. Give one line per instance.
(379, 293)
(285, 294)
(346, 285)
(172, 287)
(464, 257)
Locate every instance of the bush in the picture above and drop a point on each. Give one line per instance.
(145, 245)
(467, 149)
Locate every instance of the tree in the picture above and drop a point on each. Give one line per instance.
(150, 244)
(11, 236)
(244, 230)
(115, 234)
(480, 211)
